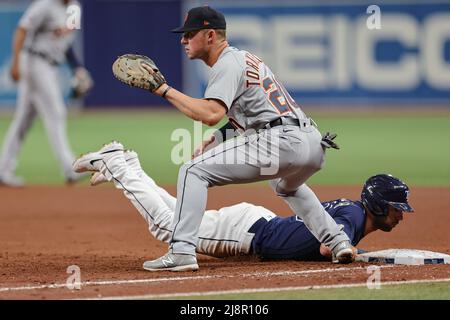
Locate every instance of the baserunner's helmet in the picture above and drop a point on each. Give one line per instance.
(384, 190)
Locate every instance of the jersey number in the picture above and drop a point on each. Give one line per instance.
(278, 97)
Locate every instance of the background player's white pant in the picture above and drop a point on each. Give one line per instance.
(38, 92)
(222, 233)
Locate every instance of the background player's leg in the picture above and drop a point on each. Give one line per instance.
(50, 105)
(23, 119)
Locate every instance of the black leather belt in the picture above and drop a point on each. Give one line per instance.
(285, 121)
(44, 56)
(303, 123)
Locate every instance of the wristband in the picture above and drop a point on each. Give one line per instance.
(165, 92)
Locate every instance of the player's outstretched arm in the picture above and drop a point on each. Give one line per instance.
(209, 112)
(142, 72)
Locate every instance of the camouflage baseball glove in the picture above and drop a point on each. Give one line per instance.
(128, 69)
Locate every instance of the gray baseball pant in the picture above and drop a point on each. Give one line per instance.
(286, 155)
(38, 92)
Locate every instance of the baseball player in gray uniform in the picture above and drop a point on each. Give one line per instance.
(277, 142)
(41, 43)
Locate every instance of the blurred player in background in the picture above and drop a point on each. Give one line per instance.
(244, 228)
(42, 42)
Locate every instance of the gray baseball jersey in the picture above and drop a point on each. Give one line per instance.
(249, 89)
(42, 20)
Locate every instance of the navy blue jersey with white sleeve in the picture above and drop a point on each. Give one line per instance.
(289, 238)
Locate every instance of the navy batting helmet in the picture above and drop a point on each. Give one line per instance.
(384, 190)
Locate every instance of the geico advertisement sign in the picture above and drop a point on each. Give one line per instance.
(317, 52)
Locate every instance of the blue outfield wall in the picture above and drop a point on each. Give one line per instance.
(9, 16)
(322, 51)
(112, 28)
(327, 54)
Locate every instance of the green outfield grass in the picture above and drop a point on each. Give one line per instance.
(413, 147)
(422, 291)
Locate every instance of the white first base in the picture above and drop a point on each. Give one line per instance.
(404, 256)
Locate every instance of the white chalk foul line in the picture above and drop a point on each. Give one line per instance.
(188, 278)
(262, 290)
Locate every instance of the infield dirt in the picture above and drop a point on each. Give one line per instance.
(45, 229)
